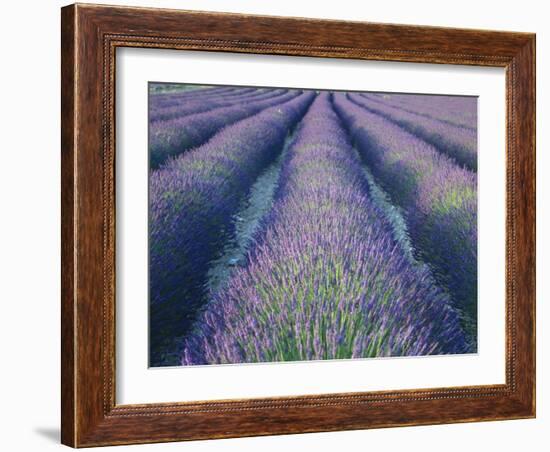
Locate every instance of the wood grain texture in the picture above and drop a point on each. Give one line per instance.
(90, 36)
(68, 147)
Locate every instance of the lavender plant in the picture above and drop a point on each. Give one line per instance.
(192, 200)
(325, 279)
(458, 143)
(439, 199)
(174, 136)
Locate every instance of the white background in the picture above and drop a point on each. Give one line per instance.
(137, 384)
(29, 241)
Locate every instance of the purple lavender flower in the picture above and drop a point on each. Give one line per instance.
(439, 199)
(192, 200)
(325, 278)
(174, 136)
(459, 143)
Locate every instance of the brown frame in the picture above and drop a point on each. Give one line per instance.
(90, 34)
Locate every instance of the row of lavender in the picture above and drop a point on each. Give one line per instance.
(438, 197)
(459, 143)
(326, 278)
(179, 98)
(200, 104)
(179, 133)
(192, 200)
(458, 111)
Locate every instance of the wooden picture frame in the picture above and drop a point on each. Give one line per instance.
(90, 35)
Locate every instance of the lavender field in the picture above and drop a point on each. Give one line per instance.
(289, 225)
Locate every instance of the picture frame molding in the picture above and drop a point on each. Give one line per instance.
(90, 35)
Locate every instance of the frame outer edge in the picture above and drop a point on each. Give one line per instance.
(86, 420)
(526, 222)
(68, 230)
(534, 226)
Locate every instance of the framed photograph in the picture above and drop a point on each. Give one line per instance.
(281, 225)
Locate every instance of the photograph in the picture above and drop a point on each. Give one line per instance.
(246, 226)
(286, 223)
(294, 224)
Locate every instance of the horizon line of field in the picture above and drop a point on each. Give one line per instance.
(198, 87)
(401, 101)
(461, 147)
(173, 161)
